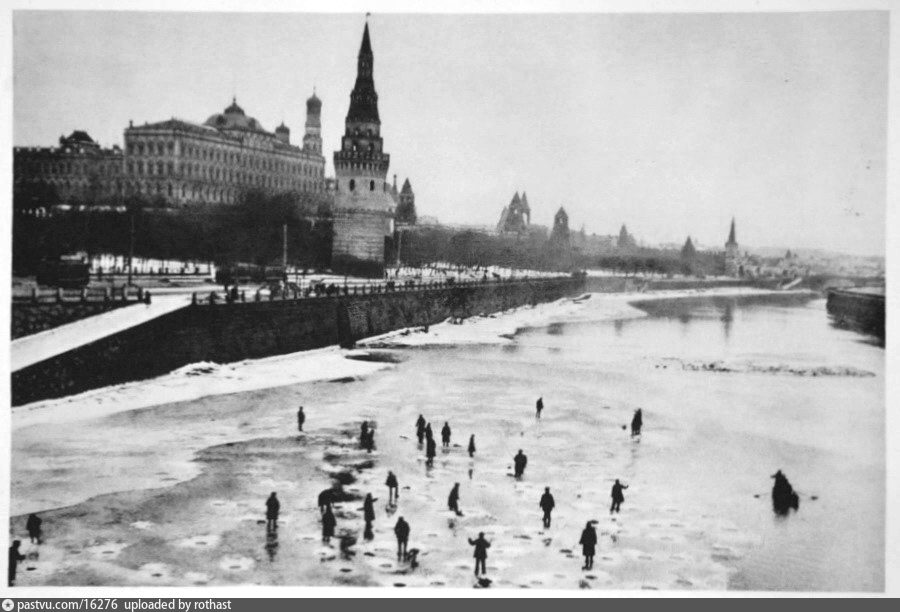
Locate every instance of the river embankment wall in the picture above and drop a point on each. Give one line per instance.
(227, 332)
(859, 310)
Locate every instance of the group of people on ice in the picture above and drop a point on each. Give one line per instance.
(783, 495)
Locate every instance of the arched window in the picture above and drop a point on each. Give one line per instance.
(170, 190)
(352, 184)
(371, 185)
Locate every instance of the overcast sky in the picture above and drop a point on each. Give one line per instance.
(671, 124)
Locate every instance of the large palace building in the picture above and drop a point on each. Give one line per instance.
(178, 163)
(363, 202)
(187, 163)
(77, 170)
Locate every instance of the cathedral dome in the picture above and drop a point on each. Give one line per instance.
(233, 118)
(282, 129)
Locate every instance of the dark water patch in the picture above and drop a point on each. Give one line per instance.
(343, 379)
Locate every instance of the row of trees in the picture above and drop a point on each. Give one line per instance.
(534, 251)
(250, 231)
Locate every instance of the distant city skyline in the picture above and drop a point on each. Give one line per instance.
(669, 123)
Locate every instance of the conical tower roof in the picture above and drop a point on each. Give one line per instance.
(732, 239)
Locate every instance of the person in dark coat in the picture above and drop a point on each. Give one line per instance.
(363, 434)
(393, 488)
(420, 428)
(430, 451)
(428, 433)
(453, 500)
(520, 461)
(617, 497)
(637, 422)
(472, 445)
(783, 495)
(588, 543)
(33, 525)
(301, 418)
(547, 504)
(14, 557)
(369, 516)
(481, 545)
(445, 435)
(328, 525)
(539, 406)
(368, 442)
(272, 508)
(401, 530)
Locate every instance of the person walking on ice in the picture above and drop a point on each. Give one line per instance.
(481, 545)
(453, 500)
(445, 435)
(547, 504)
(588, 543)
(539, 406)
(401, 530)
(14, 558)
(301, 418)
(272, 509)
(368, 516)
(33, 525)
(393, 488)
(420, 428)
(520, 461)
(637, 422)
(617, 497)
(430, 451)
(472, 445)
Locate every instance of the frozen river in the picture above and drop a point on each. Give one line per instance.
(732, 389)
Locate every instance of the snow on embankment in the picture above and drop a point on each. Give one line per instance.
(38, 347)
(195, 381)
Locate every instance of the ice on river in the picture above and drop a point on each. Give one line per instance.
(217, 456)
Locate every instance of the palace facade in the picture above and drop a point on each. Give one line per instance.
(78, 170)
(187, 163)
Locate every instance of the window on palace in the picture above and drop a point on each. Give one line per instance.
(371, 185)
(171, 146)
(352, 184)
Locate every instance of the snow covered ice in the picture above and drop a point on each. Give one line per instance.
(176, 495)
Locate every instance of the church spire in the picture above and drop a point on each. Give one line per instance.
(731, 235)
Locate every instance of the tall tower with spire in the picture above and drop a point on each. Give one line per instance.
(363, 207)
(732, 255)
(312, 139)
